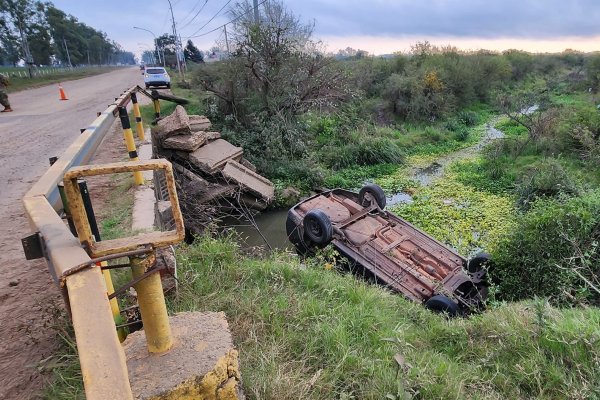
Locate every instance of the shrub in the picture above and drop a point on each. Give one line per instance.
(469, 118)
(362, 150)
(553, 251)
(546, 178)
(461, 134)
(453, 125)
(433, 134)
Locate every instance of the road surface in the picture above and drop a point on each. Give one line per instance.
(41, 126)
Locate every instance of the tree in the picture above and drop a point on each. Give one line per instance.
(275, 67)
(192, 53)
(19, 17)
(9, 43)
(592, 70)
(168, 45)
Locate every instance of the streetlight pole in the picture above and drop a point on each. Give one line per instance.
(177, 46)
(156, 47)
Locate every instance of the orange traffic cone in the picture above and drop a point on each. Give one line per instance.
(63, 96)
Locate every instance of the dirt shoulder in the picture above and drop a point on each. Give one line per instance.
(40, 127)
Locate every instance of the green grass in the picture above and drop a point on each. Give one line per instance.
(54, 76)
(307, 332)
(511, 128)
(304, 331)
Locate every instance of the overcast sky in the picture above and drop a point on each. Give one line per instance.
(378, 26)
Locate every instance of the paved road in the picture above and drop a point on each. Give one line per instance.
(41, 127)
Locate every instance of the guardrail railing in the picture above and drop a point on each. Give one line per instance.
(102, 359)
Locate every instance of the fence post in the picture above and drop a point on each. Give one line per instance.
(128, 135)
(139, 126)
(152, 305)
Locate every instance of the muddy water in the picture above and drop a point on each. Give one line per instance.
(267, 230)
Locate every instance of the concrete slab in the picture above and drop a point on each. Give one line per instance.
(143, 210)
(202, 364)
(249, 180)
(213, 135)
(213, 156)
(175, 124)
(187, 143)
(199, 123)
(144, 154)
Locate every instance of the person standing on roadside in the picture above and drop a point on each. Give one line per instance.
(3, 96)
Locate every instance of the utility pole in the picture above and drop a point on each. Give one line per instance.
(255, 11)
(182, 54)
(226, 41)
(68, 55)
(177, 46)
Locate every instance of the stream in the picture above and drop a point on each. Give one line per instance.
(272, 223)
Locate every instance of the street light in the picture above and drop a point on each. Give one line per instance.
(155, 45)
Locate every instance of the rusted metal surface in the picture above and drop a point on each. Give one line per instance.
(106, 247)
(101, 357)
(398, 254)
(102, 360)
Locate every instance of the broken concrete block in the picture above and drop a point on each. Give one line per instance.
(249, 180)
(202, 364)
(199, 123)
(175, 124)
(213, 156)
(163, 216)
(212, 135)
(185, 142)
(248, 164)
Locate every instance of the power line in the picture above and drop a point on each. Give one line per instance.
(227, 23)
(194, 17)
(210, 20)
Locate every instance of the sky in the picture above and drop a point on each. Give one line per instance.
(377, 26)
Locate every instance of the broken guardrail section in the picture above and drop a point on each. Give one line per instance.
(76, 264)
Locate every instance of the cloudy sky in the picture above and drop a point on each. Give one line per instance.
(378, 26)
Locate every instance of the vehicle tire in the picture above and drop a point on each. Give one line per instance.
(147, 87)
(317, 227)
(293, 233)
(442, 304)
(168, 86)
(373, 191)
(479, 262)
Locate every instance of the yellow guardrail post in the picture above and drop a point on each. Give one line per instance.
(128, 135)
(139, 126)
(156, 104)
(152, 305)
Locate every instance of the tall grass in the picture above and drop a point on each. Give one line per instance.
(307, 332)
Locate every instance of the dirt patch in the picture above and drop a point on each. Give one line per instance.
(30, 302)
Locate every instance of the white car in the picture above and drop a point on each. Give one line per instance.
(157, 76)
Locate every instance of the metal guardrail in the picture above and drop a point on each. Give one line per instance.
(101, 356)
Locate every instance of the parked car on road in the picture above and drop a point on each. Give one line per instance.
(390, 249)
(156, 76)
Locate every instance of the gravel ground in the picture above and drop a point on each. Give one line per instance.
(41, 127)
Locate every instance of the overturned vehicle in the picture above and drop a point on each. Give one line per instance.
(391, 250)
